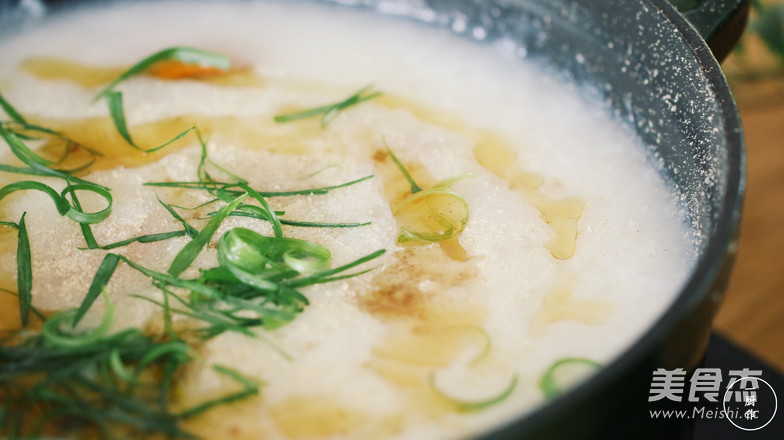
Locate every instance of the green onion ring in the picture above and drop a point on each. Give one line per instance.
(474, 405)
(549, 383)
(449, 230)
(54, 335)
(89, 217)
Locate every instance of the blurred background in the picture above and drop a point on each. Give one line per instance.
(752, 314)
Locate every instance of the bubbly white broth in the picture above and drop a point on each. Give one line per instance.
(571, 248)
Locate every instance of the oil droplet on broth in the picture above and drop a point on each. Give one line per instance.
(495, 154)
(427, 328)
(305, 417)
(441, 118)
(562, 216)
(101, 136)
(59, 69)
(10, 320)
(230, 420)
(9, 313)
(558, 305)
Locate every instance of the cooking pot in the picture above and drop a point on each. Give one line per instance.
(655, 71)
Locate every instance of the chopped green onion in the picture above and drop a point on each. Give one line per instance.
(177, 348)
(249, 254)
(562, 373)
(449, 227)
(117, 113)
(191, 250)
(302, 224)
(446, 183)
(438, 223)
(55, 335)
(118, 367)
(171, 280)
(38, 166)
(87, 232)
(100, 280)
(11, 111)
(150, 238)
(20, 150)
(228, 185)
(414, 187)
(330, 111)
(24, 273)
(61, 204)
(276, 227)
(190, 230)
(324, 276)
(88, 217)
(250, 388)
(473, 405)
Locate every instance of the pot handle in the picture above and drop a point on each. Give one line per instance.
(720, 22)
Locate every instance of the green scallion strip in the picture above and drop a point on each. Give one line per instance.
(150, 238)
(24, 272)
(297, 223)
(87, 232)
(100, 280)
(473, 405)
(11, 111)
(55, 335)
(552, 385)
(446, 183)
(330, 111)
(414, 187)
(250, 388)
(69, 143)
(228, 185)
(29, 171)
(88, 217)
(321, 277)
(171, 280)
(37, 165)
(117, 113)
(191, 250)
(248, 254)
(190, 230)
(185, 55)
(118, 367)
(20, 150)
(176, 347)
(60, 203)
(217, 323)
(273, 219)
(321, 224)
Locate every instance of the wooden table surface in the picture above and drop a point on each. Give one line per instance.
(752, 314)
